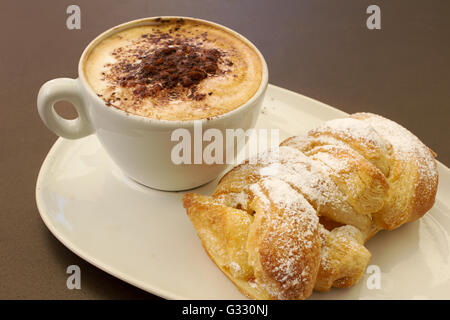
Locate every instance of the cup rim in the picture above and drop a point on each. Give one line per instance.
(163, 122)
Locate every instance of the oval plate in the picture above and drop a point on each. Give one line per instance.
(144, 237)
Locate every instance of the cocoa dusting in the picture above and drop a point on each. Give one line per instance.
(169, 67)
(166, 66)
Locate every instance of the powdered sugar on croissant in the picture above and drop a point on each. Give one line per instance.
(295, 220)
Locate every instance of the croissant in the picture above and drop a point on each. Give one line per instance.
(296, 219)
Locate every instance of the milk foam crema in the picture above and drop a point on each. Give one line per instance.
(174, 69)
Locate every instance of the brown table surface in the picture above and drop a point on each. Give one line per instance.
(319, 48)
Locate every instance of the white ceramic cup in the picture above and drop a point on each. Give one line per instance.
(140, 146)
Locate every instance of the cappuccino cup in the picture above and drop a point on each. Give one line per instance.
(142, 81)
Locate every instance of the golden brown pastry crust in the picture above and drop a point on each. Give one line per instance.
(285, 223)
(413, 176)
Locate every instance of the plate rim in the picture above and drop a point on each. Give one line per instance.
(162, 293)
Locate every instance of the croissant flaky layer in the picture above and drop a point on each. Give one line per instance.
(296, 220)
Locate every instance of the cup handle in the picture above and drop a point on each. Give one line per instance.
(64, 89)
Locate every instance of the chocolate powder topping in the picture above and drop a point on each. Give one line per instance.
(177, 65)
(169, 67)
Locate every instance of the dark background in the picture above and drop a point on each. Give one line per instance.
(319, 48)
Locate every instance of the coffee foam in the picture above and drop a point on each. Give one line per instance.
(238, 80)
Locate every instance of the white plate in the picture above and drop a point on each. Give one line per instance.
(144, 237)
